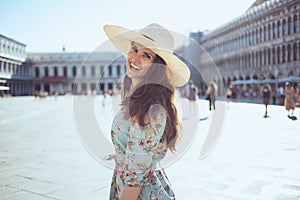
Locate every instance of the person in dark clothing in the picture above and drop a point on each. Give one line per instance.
(211, 94)
(266, 93)
(234, 93)
(192, 95)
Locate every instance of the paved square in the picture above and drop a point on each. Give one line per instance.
(41, 156)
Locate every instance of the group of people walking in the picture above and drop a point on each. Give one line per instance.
(211, 94)
(290, 96)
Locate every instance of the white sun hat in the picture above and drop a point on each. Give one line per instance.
(156, 38)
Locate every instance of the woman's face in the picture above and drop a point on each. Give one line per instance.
(139, 61)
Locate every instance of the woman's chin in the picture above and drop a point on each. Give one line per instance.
(132, 75)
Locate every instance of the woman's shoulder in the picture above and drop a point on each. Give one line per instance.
(155, 121)
(120, 120)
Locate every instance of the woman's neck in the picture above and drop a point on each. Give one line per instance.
(134, 83)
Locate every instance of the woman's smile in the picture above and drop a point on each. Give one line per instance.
(134, 67)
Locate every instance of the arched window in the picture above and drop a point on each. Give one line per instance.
(65, 71)
(289, 53)
(4, 66)
(101, 69)
(265, 58)
(249, 60)
(278, 55)
(296, 24)
(253, 60)
(261, 35)
(269, 56)
(257, 59)
(83, 70)
(37, 72)
(9, 67)
(110, 70)
(295, 51)
(279, 29)
(284, 31)
(46, 71)
(283, 54)
(251, 38)
(257, 36)
(118, 70)
(269, 32)
(74, 71)
(93, 72)
(290, 27)
(273, 56)
(55, 71)
(274, 30)
(265, 33)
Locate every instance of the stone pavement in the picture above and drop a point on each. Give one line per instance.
(41, 156)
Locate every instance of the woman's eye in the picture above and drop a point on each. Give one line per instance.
(147, 56)
(133, 48)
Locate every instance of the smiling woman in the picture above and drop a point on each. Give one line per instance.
(139, 61)
(148, 125)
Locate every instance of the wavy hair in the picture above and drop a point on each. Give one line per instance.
(155, 88)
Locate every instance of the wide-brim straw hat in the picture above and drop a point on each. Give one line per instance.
(156, 38)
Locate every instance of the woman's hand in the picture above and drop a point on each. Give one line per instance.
(130, 193)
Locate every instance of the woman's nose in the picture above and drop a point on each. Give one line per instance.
(135, 58)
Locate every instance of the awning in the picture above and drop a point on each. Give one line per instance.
(290, 79)
(55, 79)
(4, 87)
(258, 81)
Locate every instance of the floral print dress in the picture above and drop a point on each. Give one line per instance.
(138, 152)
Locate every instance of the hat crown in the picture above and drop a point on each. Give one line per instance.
(160, 35)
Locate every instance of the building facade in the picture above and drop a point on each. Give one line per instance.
(263, 43)
(15, 73)
(77, 73)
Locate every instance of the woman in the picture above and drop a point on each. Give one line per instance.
(228, 95)
(289, 101)
(192, 95)
(211, 94)
(148, 124)
(266, 93)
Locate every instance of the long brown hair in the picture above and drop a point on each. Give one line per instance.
(154, 89)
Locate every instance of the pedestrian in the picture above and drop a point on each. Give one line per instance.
(298, 95)
(147, 126)
(228, 95)
(192, 94)
(289, 102)
(234, 93)
(211, 94)
(266, 93)
(103, 100)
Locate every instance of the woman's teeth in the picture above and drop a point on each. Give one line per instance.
(135, 67)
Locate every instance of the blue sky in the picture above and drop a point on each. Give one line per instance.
(48, 25)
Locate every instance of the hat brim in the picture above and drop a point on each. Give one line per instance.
(122, 38)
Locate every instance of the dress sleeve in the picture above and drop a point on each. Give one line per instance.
(142, 145)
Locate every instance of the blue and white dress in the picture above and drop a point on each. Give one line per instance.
(138, 153)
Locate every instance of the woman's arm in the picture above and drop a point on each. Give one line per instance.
(142, 144)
